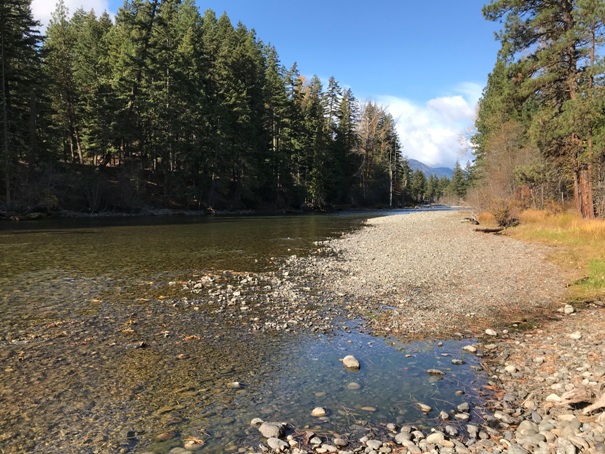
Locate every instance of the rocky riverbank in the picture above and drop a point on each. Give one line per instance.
(176, 362)
(430, 275)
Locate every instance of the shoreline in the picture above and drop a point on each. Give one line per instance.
(151, 212)
(542, 357)
(405, 277)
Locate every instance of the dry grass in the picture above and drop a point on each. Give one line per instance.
(488, 219)
(579, 246)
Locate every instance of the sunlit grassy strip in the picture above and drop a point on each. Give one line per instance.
(580, 248)
(596, 275)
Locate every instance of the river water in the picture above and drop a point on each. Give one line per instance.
(120, 335)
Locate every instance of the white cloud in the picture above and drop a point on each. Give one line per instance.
(43, 9)
(434, 132)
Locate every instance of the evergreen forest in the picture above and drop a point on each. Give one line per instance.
(162, 106)
(540, 128)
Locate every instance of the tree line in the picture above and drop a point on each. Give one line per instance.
(540, 138)
(169, 107)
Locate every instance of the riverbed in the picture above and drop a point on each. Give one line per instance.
(143, 334)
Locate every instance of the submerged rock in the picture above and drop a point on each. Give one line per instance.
(350, 362)
(423, 407)
(318, 412)
(435, 372)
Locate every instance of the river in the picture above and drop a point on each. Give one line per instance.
(143, 334)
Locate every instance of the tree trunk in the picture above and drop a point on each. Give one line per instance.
(7, 160)
(585, 184)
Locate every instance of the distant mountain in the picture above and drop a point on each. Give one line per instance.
(428, 171)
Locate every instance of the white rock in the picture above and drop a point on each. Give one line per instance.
(469, 348)
(277, 445)
(490, 332)
(350, 362)
(374, 444)
(568, 309)
(318, 412)
(435, 438)
(315, 441)
(577, 335)
(510, 369)
(553, 398)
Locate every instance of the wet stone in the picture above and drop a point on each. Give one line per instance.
(340, 442)
(424, 408)
(271, 429)
(277, 445)
(464, 407)
(164, 436)
(451, 431)
(318, 412)
(374, 444)
(350, 362)
(435, 438)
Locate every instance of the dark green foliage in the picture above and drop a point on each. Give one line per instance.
(167, 107)
(22, 103)
(458, 183)
(540, 122)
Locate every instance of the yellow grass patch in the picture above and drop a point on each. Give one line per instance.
(578, 246)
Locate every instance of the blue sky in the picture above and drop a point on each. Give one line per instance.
(427, 61)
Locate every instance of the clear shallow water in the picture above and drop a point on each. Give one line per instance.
(79, 297)
(139, 246)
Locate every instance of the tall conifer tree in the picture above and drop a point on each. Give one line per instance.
(20, 68)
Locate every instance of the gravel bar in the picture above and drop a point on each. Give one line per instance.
(430, 274)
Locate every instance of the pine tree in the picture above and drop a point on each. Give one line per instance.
(129, 55)
(59, 49)
(316, 143)
(275, 123)
(405, 172)
(346, 162)
(432, 189)
(294, 139)
(190, 105)
(20, 67)
(92, 78)
(544, 43)
(457, 186)
(418, 186)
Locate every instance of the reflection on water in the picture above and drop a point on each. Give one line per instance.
(139, 246)
(96, 359)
